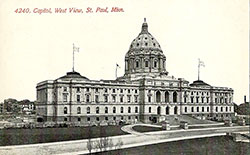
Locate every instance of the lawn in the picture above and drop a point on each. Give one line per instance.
(32, 136)
(222, 145)
(146, 129)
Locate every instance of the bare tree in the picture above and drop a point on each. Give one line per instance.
(90, 143)
(118, 146)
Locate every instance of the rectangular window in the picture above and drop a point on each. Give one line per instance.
(87, 89)
(105, 90)
(87, 98)
(129, 99)
(105, 98)
(78, 89)
(114, 98)
(197, 99)
(121, 99)
(113, 90)
(78, 98)
(65, 97)
(96, 98)
(128, 90)
(96, 90)
(149, 110)
(149, 98)
(64, 88)
(207, 109)
(192, 99)
(202, 109)
(135, 90)
(121, 90)
(136, 99)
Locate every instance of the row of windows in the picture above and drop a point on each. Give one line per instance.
(97, 110)
(221, 109)
(78, 89)
(146, 64)
(202, 93)
(98, 119)
(203, 99)
(158, 97)
(106, 98)
(222, 100)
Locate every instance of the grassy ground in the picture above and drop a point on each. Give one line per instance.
(146, 129)
(32, 136)
(204, 146)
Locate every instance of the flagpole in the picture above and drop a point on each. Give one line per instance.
(116, 72)
(73, 57)
(198, 69)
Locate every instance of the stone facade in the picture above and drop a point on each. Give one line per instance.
(146, 92)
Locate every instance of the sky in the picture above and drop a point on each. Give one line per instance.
(36, 47)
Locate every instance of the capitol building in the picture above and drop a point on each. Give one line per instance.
(146, 92)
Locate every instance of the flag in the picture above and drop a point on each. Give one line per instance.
(201, 63)
(75, 49)
(118, 66)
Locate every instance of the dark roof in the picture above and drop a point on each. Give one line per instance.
(199, 83)
(73, 75)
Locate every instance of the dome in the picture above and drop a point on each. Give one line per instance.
(199, 83)
(145, 56)
(144, 43)
(73, 75)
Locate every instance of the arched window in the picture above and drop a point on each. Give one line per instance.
(114, 110)
(207, 109)
(226, 109)
(129, 109)
(121, 109)
(158, 96)
(221, 109)
(97, 110)
(159, 110)
(175, 97)
(137, 64)
(136, 109)
(88, 110)
(155, 63)
(167, 110)
(65, 110)
(175, 110)
(106, 110)
(166, 96)
(192, 109)
(78, 110)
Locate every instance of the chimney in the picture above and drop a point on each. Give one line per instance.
(245, 99)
